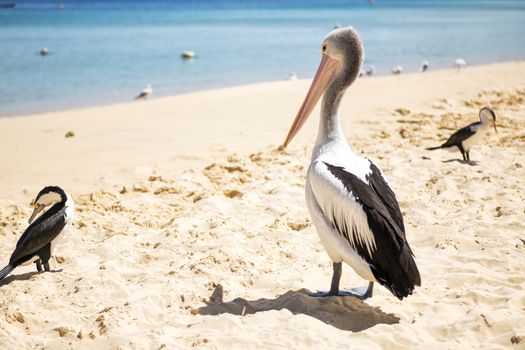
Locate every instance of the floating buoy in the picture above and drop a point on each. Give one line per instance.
(188, 55)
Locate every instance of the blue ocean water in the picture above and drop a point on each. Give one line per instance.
(105, 51)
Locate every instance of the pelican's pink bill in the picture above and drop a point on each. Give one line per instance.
(325, 73)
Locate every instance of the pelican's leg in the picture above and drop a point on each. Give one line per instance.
(360, 292)
(336, 277)
(468, 155)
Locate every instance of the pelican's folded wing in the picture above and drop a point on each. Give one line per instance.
(366, 213)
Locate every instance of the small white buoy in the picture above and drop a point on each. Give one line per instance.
(188, 55)
(397, 70)
(459, 63)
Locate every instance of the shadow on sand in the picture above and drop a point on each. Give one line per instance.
(21, 277)
(346, 313)
(24, 276)
(469, 162)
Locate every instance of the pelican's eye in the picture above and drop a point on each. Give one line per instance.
(324, 49)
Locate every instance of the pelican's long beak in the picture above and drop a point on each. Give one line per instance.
(325, 73)
(38, 209)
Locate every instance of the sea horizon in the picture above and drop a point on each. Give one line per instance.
(105, 52)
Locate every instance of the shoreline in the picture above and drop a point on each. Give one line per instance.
(233, 86)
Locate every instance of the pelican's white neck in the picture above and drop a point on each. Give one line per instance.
(329, 125)
(329, 129)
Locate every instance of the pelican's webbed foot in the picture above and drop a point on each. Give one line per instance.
(364, 293)
(361, 293)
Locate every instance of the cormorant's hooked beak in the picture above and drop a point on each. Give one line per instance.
(325, 73)
(38, 209)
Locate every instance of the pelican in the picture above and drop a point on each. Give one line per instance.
(38, 240)
(145, 93)
(354, 211)
(466, 137)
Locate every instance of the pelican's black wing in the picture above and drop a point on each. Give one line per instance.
(461, 135)
(41, 232)
(386, 195)
(392, 261)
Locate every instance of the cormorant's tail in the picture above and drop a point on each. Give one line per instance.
(6, 271)
(433, 148)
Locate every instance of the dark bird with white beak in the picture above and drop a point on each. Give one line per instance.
(38, 240)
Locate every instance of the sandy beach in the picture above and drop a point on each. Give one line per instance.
(191, 228)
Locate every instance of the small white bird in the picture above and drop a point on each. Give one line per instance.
(459, 63)
(397, 70)
(292, 76)
(424, 66)
(145, 94)
(370, 71)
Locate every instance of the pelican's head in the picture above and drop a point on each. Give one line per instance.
(487, 115)
(341, 60)
(49, 195)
